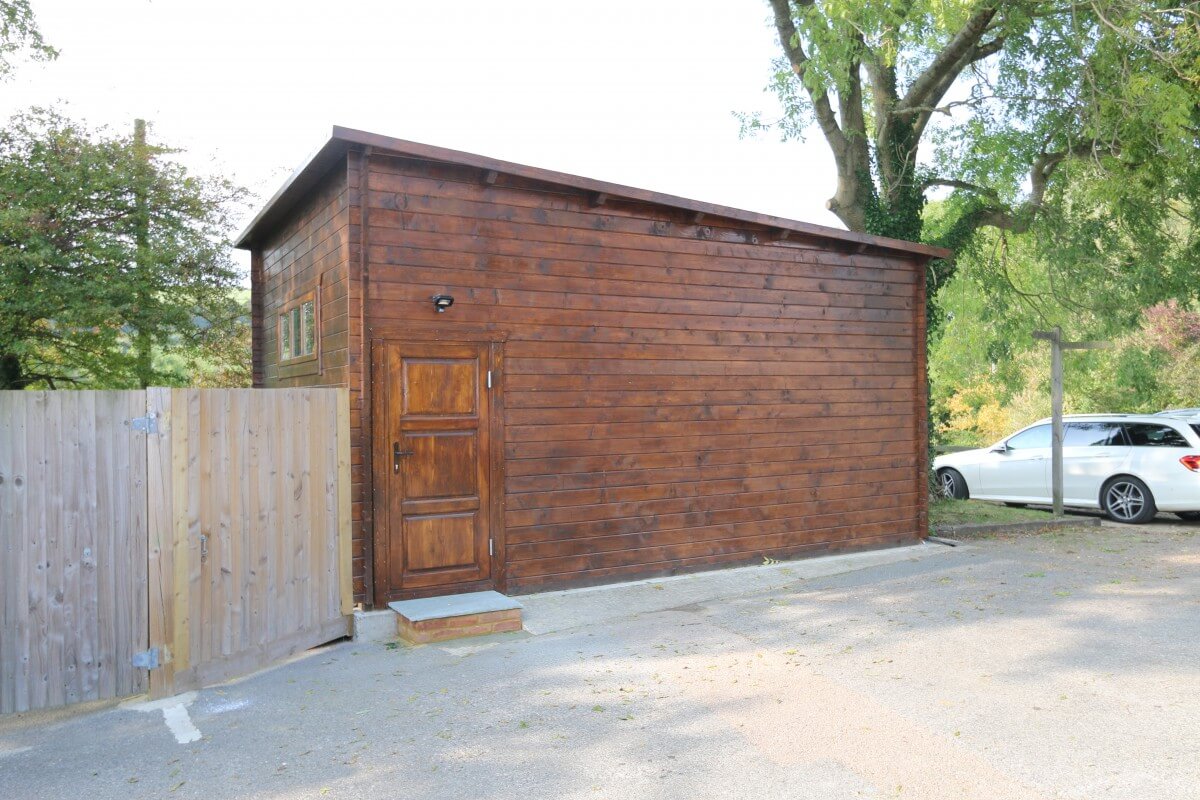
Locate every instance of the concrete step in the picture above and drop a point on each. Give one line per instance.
(455, 616)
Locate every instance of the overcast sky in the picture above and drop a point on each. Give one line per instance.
(640, 92)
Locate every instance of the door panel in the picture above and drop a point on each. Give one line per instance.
(442, 464)
(440, 387)
(1017, 476)
(1022, 472)
(434, 440)
(440, 541)
(1092, 452)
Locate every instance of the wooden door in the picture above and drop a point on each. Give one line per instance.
(433, 444)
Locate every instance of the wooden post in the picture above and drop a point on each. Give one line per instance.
(160, 524)
(345, 530)
(1057, 345)
(143, 341)
(1056, 422)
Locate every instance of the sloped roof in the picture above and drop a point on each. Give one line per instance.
(343, 139)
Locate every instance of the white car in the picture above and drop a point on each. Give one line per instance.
(1128, 465)
(1180, 412)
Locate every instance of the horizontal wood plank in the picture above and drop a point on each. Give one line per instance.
(676, 392)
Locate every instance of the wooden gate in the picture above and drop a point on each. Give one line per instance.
(72, 547)
(249, 490)
(204, 533)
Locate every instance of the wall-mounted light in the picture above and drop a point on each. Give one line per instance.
(442, 301)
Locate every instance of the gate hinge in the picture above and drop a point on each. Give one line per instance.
(146, 424)
(147, 659)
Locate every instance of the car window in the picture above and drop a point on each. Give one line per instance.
(1196, 428)
(1034, 437)
(1092, 434)
(1145, 434)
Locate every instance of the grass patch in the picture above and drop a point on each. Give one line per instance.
(976, 512)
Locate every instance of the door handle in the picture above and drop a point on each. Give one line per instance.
(397, 454)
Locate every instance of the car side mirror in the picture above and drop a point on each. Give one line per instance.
(1001, 448)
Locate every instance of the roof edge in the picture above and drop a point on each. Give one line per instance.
(301, 180)
(341, 139)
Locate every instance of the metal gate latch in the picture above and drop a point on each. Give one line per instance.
(147, 659)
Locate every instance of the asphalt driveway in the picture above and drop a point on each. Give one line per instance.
(1064, 665)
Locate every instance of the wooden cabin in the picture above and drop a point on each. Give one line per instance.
(557, 381)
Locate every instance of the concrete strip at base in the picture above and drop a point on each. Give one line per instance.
(1014, 527)
(375, 626)
(550, 612)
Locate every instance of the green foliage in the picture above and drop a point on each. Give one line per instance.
(1062, 138)
(222, 361)
(989, 377)
(1075, 121)
(977, 512)
(79, 298)
(19, 34)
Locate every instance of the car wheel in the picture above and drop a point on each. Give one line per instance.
(1128, 500)
(1190, 516)
(953, 485)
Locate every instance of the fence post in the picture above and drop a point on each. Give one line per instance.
(166, 522)
(345, 555)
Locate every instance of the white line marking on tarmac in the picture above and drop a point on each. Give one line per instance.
(175, 714)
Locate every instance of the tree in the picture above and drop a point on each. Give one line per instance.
(1006, 104)
(19, 33)
(111, 257)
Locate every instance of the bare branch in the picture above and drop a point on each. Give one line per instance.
(1019, 219)
(957, 184)
(948, 107)
(986, 49)
(953, 58)
(926, 109)
(850, 108)
(789, 39)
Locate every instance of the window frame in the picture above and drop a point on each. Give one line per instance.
(1116, 427)
(1031, 429)
(293, 311)
(1129, 436)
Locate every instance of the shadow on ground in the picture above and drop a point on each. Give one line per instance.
(1058, 665)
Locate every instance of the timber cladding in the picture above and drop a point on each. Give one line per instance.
(676, 385)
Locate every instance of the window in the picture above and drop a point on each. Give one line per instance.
(1093, 434)
(1145, 434)
(1196, 428)
(298, 329)
(1034, 437)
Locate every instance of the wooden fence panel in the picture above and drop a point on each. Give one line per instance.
(72, 547)
(250, 559)
(221, 539)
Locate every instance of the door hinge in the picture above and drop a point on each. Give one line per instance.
(146, 424)
(147, 659)
(489, 379)
(491, 547)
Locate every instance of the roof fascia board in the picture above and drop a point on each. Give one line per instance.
(345, 137)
